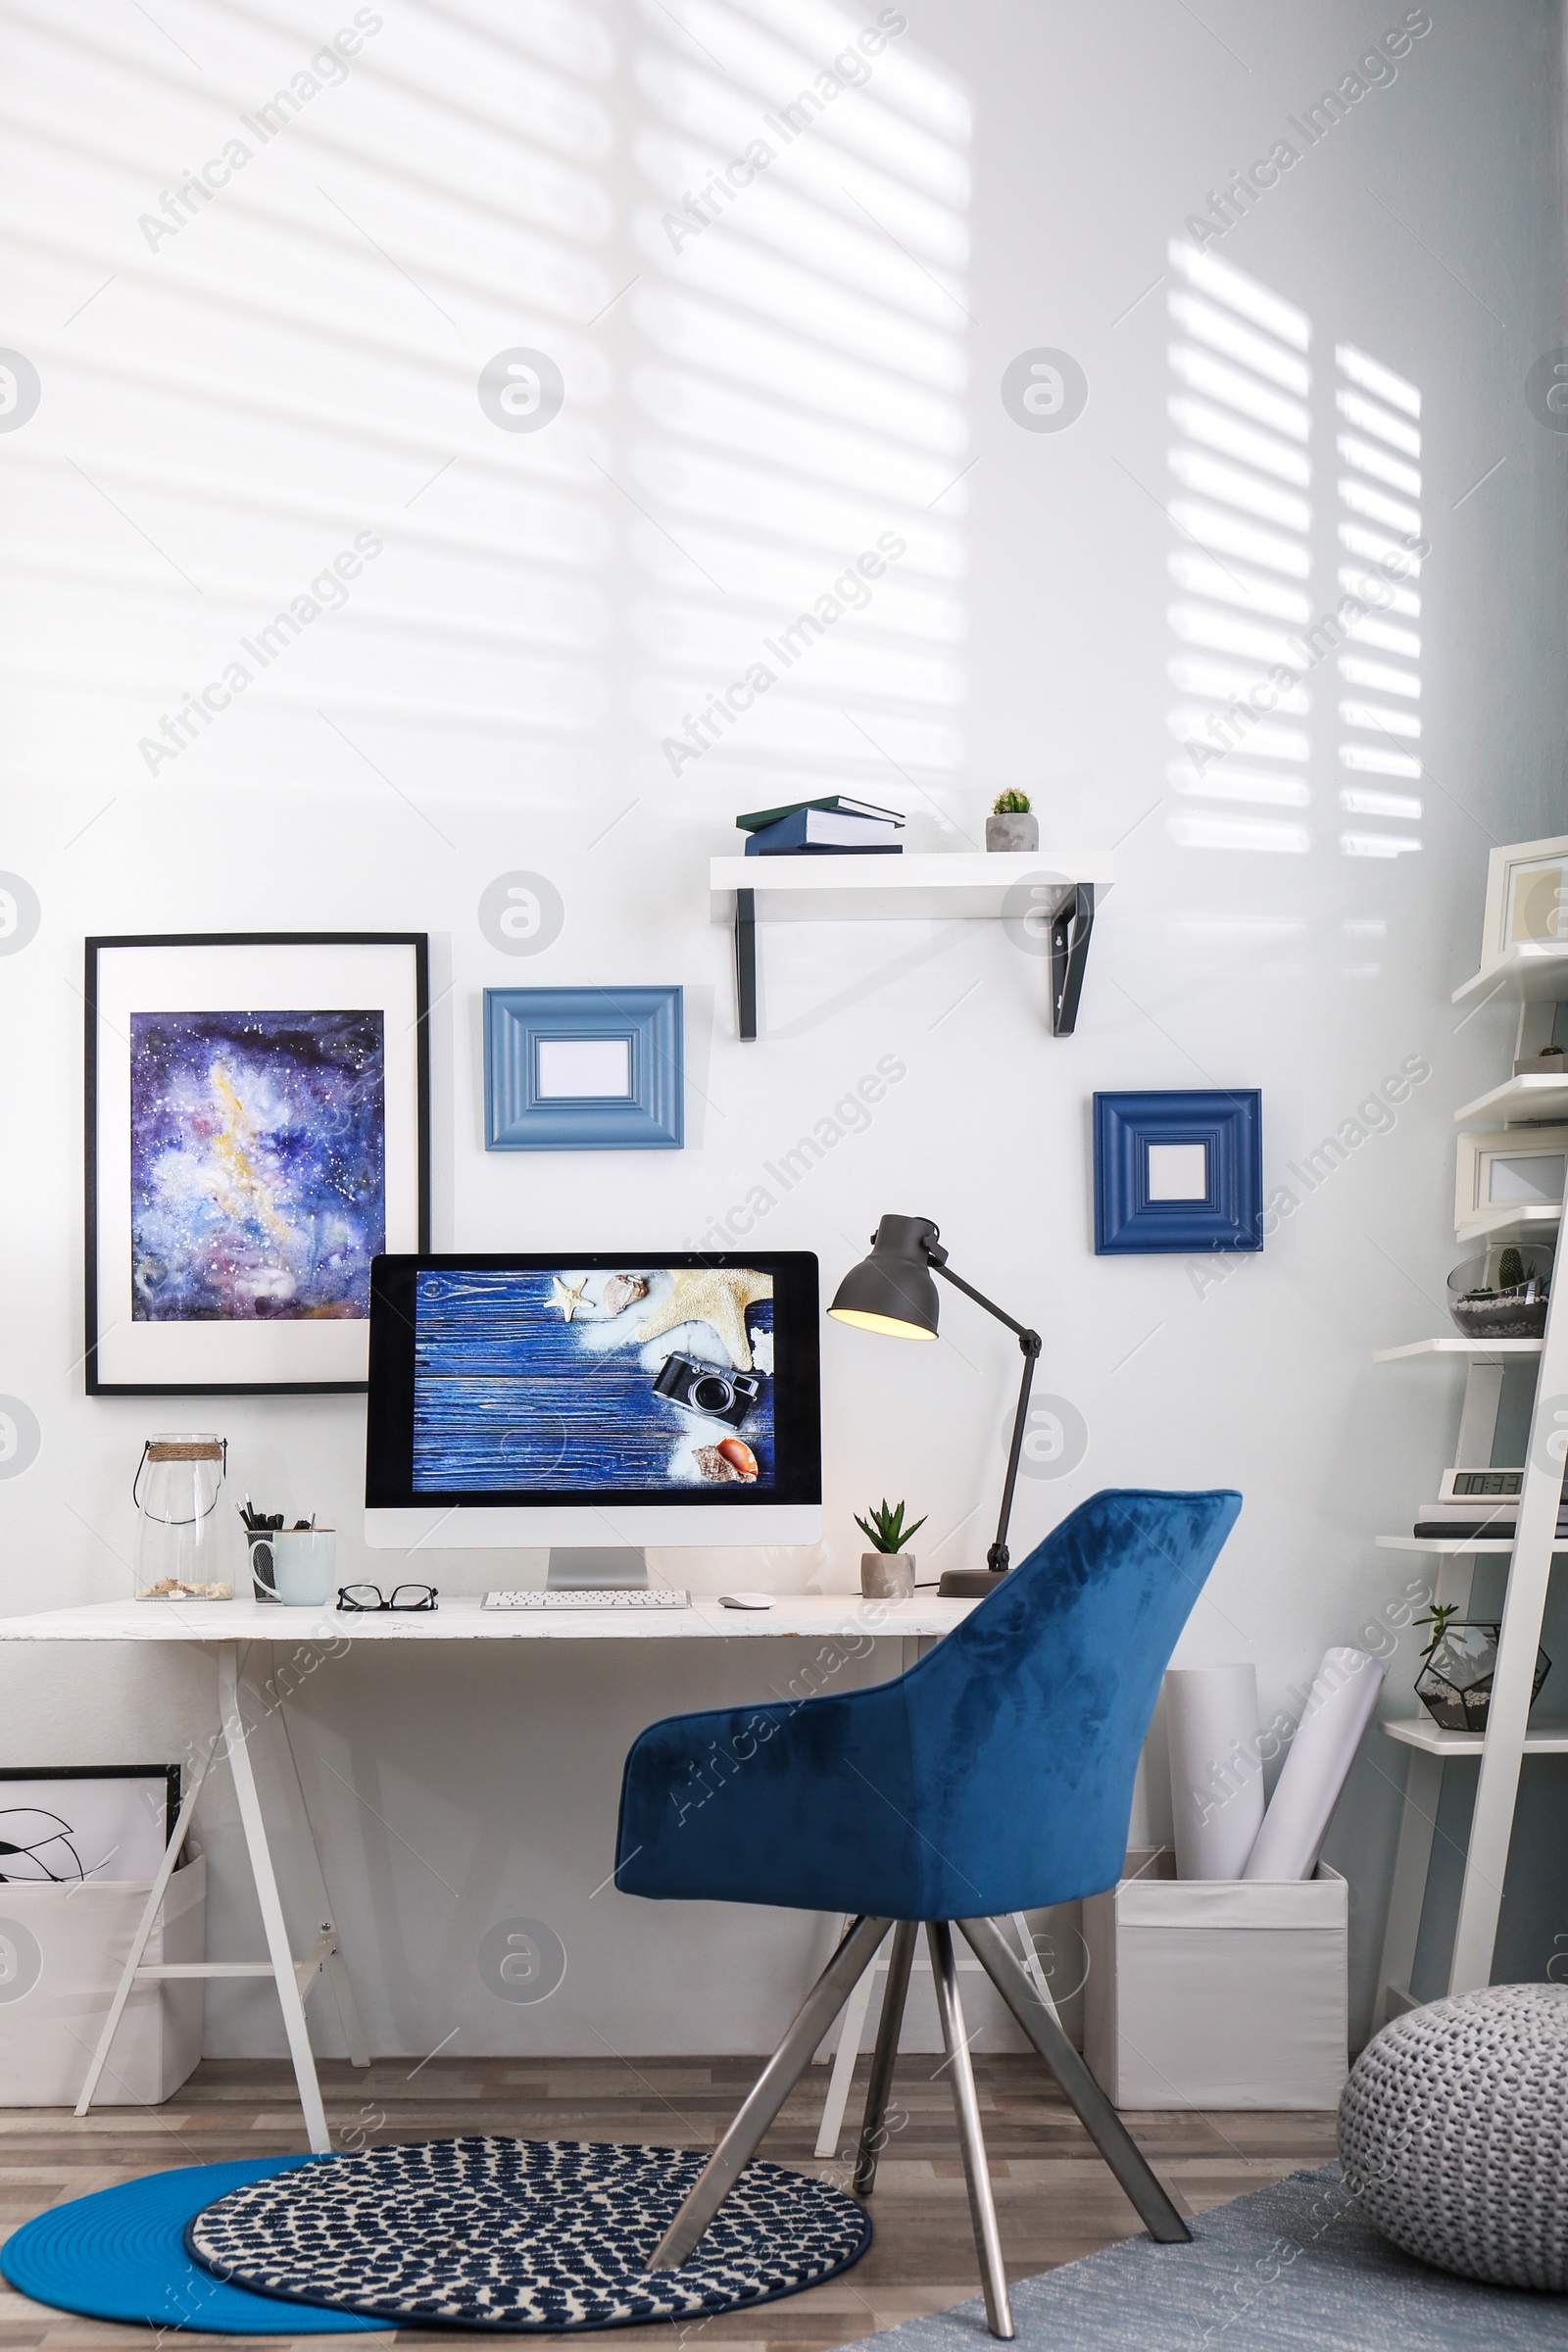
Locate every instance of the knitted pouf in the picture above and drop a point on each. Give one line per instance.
(1453, 2135)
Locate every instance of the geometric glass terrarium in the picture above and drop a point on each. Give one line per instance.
(1455, 1684)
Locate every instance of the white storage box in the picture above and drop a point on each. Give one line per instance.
(1217, 1992)
(62, 1950)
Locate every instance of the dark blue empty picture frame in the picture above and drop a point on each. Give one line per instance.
(523, 1108)
(1138, 1210)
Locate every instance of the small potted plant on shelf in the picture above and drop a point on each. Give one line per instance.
(1011, 825)
(1457, 1664)
(887, 1571)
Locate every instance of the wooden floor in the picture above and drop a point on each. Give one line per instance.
(1056, 2200)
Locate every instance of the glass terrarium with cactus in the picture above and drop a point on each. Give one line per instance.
(1457, 1665)
(1503, 1294)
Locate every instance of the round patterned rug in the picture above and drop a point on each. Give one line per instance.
(522, 2234)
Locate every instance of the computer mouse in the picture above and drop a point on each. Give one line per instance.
(745, 1600)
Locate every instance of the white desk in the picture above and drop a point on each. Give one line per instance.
(229, 1622)
(231, 1627)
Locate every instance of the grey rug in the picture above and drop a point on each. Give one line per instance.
(1292, 2267)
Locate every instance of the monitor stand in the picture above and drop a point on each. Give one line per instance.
(611, 1567)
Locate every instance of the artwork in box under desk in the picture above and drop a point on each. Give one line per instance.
(63, 1827)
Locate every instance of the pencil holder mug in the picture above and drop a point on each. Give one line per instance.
(259, 1543)
(305, 1566)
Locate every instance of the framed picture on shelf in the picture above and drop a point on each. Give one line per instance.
(257, 1132)
(1527, 897)
(1512, 1175)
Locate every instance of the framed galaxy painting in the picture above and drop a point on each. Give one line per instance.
(258, 1131)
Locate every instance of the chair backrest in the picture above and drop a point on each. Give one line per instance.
(1026, 1723)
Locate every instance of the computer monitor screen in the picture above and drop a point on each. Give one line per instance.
(551, 1386)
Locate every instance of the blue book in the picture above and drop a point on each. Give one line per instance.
(823, 832)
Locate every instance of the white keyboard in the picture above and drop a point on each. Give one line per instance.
(652, 1597)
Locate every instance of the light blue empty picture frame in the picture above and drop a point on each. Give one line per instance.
(584, 1070)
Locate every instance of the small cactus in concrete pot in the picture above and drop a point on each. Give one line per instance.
(1011, 825)
(887, 1569)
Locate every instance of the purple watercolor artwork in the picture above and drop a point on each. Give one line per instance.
(257, 1165)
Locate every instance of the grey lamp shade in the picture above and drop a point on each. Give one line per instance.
(891, 1289)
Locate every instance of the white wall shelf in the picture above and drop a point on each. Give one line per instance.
(1531, 1097)
(1470, 1351)
(1052, 891)
(1445, 1543)
(1527, 1223)
(1420, 1731)
(1530, 972)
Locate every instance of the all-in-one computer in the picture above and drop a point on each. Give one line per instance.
(597, 1404)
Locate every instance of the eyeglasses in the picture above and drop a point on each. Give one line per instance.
(404, 1596)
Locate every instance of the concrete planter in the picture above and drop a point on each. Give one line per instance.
(887, 1575)
(1014, 832)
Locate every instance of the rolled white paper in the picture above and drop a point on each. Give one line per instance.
(1217, 1774)
(1343, 1694)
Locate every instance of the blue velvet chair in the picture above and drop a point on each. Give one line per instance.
(995, 1776)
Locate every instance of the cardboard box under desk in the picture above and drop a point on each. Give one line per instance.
(1217, 1992)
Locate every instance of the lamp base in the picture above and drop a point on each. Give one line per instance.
(968, 1584)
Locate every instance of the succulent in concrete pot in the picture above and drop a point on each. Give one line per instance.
(887, 1569)
(1011, 825)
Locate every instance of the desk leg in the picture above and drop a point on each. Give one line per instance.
(289, 1995)
(138, 1942)
(849, 2050)
(348, 2008)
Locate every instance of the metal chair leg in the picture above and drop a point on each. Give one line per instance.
(899, 1961)
(773, 2087)
(982, 2207)
(1095, 2113)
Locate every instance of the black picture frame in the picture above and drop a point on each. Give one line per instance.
(169, 1774)
(418, 943)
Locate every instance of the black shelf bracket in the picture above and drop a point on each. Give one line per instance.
(746, 963)
(1070, 927)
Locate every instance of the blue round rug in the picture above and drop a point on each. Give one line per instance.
(121, 2255)
(544, 2235)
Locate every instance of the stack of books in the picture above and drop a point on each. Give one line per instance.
(825, 828)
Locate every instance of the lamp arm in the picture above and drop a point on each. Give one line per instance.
(1022, 1330)
(997, 1558)
(1030, 1345)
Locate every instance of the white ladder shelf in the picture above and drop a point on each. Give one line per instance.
(1539, 981)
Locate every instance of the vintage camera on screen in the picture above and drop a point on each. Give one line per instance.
(708, 1389)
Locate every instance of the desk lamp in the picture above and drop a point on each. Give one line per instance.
(892, 1292)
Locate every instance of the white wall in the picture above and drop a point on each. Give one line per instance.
(224, 409)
